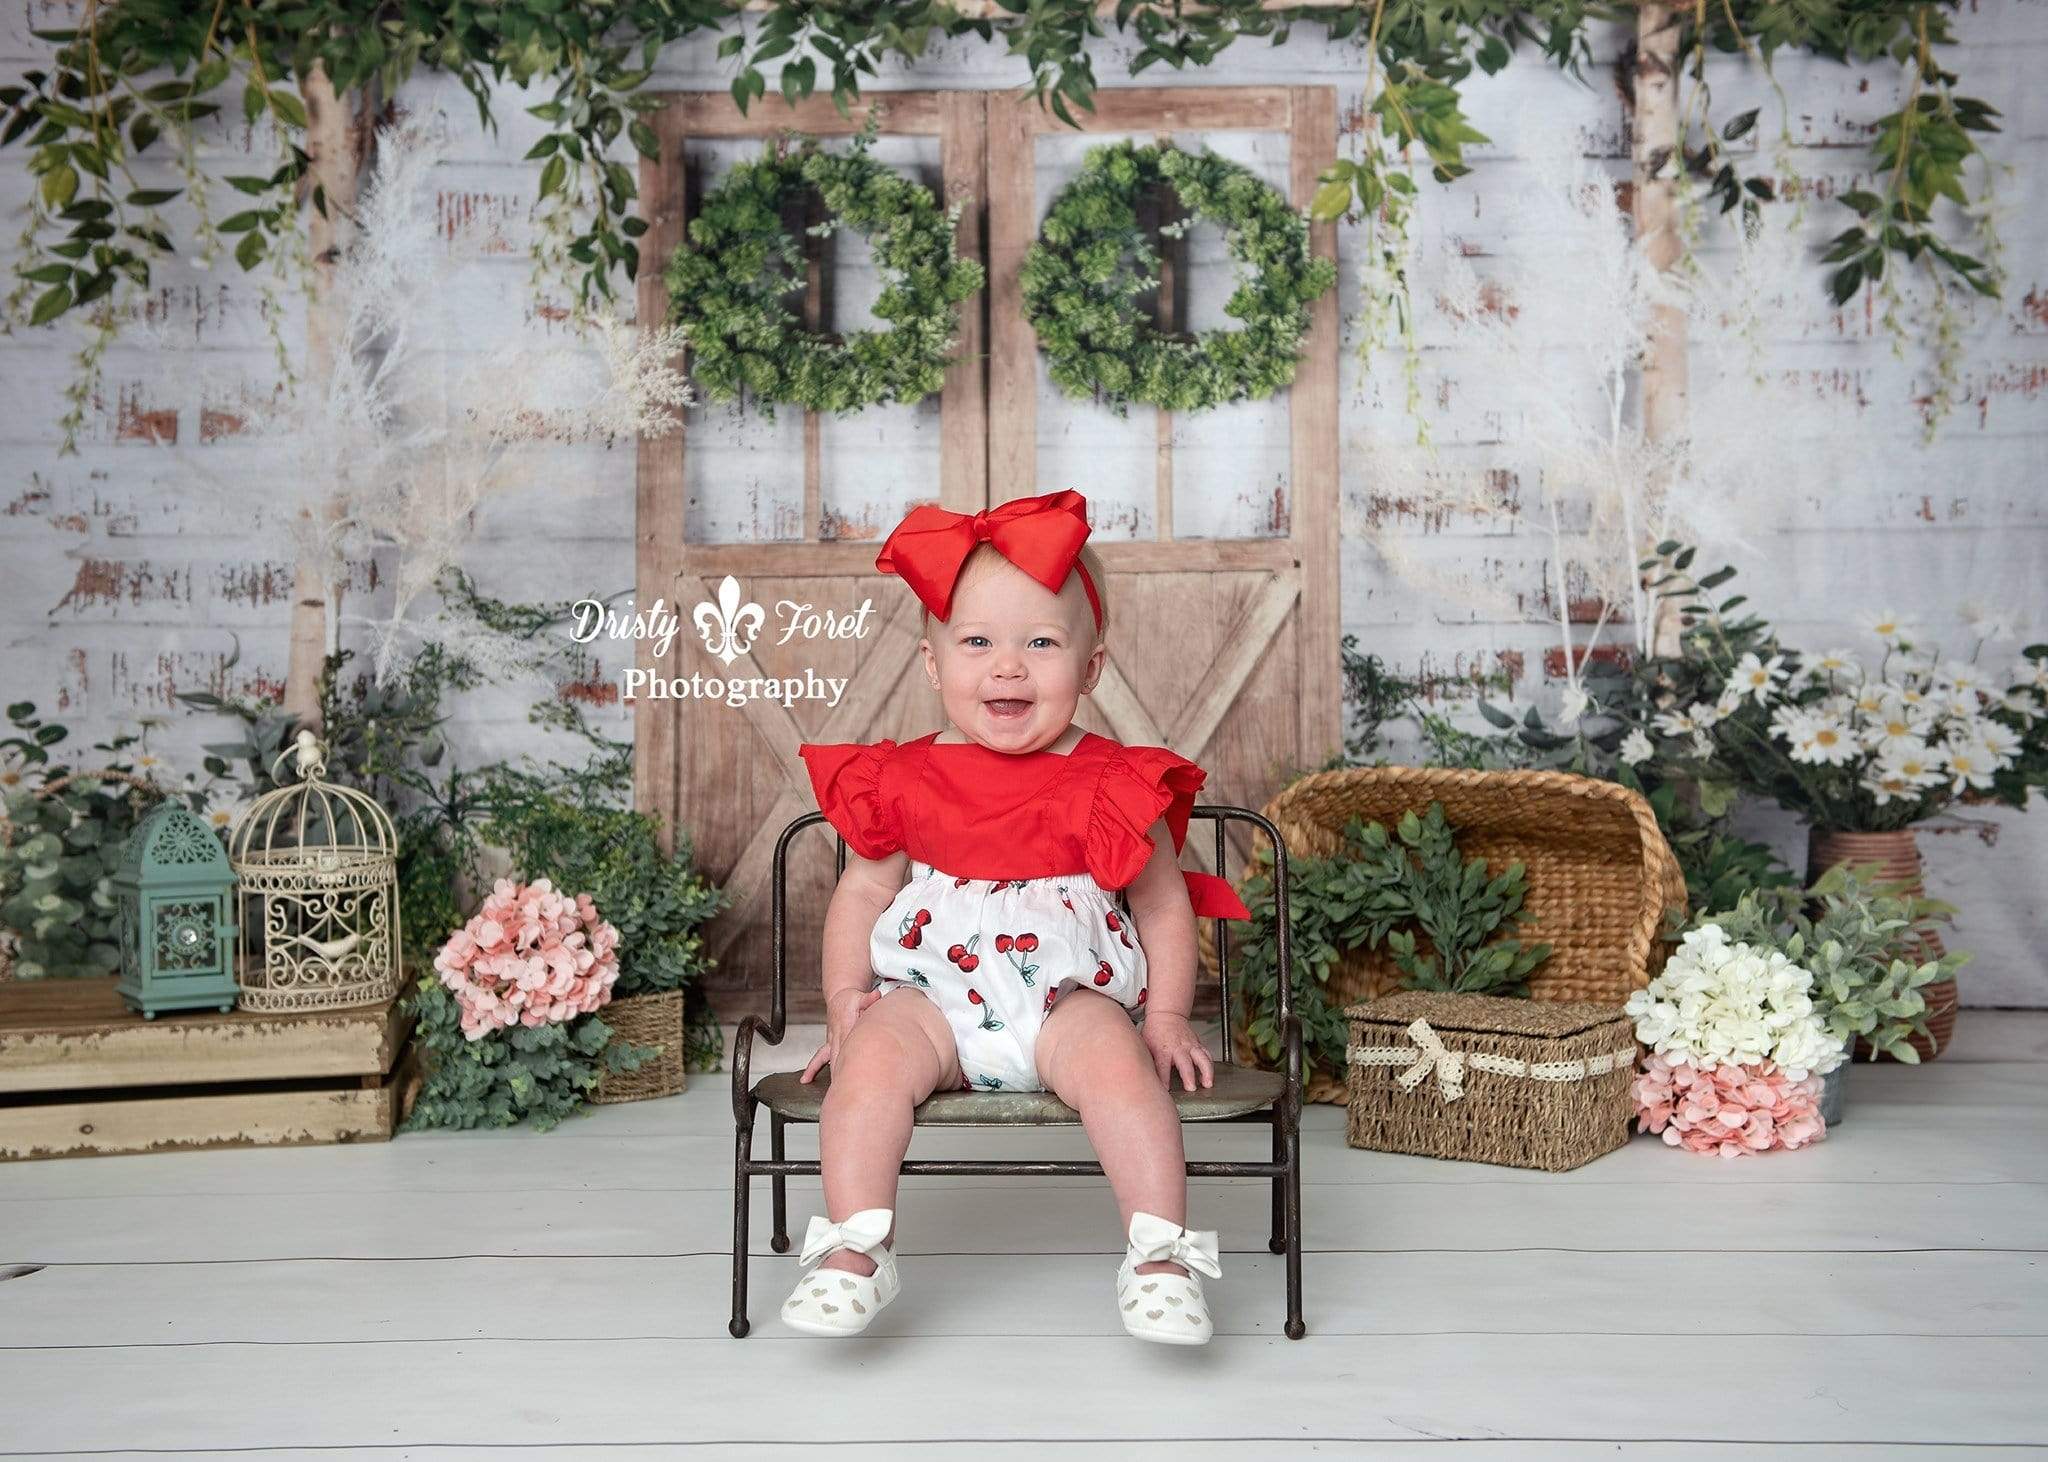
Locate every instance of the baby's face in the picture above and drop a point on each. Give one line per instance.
(1013, 662)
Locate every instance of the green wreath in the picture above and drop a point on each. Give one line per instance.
(728, 300)
(1078, 291)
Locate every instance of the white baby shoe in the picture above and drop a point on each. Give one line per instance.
(1168, 1308)
(834, 1301)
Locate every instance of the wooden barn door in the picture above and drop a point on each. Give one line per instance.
(1223, 649)
(729, 776)
(1251, 686)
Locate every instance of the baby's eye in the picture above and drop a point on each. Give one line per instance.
(1044, 640)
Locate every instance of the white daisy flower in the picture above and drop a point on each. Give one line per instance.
(1833, 662)
(1969, 766)
(1573, 707)
(1636, 748)
(2001, 741)
(1706, 715)
(1726, 702)
(1702, 745)
(1987, 623)
(1758, 678)
(2031, 672)
(1789, 723)
(1677, 723)
(1889, 627)
(2021, 703)
(1895, 725)
(1920, 765)
(1826, 742)
(1884, 785)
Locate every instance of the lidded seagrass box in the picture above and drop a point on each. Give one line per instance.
(1483, 1078)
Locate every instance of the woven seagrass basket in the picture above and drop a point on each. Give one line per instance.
(1600, 875)
(1482, 1078)
(645, 1020)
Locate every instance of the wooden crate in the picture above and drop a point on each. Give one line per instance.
(82, 1074)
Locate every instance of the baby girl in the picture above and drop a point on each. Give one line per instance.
(975, 940)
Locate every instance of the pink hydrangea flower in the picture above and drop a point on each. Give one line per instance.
(1727, 1109)
(530, 956)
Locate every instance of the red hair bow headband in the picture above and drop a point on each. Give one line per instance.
(1040, 535)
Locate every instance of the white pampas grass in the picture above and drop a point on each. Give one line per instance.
(390, 457)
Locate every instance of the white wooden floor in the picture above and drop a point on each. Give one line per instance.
(466, 1295)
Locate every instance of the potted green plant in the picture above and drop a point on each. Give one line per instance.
(1863, 949)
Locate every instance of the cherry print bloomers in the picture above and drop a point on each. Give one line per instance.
(994, 954)
(1015, 863)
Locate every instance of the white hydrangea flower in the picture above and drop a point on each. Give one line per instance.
(1636, 748)
(1715, 1004)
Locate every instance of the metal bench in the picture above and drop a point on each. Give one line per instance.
(1239, 1094)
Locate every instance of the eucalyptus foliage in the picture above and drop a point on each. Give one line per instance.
(1863, 948)
(727, 280)
(1079, 295)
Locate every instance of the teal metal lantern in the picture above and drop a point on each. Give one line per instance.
(175, 896)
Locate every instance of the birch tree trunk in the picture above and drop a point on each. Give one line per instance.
(1655, 153)
(335, 150)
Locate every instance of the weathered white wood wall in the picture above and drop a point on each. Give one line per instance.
(118, 586)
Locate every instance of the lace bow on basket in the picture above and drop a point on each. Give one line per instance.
(1156, 1241)
(1430, 1054)
(862, 1231)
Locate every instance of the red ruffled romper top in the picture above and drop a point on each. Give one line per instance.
(974, 812)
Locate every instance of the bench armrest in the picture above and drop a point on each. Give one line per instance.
(743, 1061)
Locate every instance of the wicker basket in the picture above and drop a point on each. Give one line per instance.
(1482, 1078)
(1600, 875)
(645, 1020)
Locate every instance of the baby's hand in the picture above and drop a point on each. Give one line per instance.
(1175, 1047)
(841, 1012)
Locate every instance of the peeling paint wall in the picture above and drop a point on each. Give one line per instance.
(120, 587)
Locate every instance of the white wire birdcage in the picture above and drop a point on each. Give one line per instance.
(318, 869)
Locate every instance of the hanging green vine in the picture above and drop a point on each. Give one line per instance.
(726, 284)
(138, 72)
(1078, 291)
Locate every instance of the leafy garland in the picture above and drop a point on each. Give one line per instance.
(726, 292)
(1078, 291)
(90, 117)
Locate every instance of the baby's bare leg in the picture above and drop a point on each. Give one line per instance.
(898, 1053)
(1091, 1056)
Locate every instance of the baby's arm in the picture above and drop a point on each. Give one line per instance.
(1166, 924)
(868, 886)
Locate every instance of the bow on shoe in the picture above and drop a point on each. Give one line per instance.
(1449, 1065)
(1041, 535)
(1155, 1240)
(862, 1231)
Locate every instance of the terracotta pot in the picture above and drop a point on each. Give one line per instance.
(1897, 856)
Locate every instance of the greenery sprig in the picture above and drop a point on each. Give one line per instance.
(1078, 292)
(1381, 889)
(726, 284)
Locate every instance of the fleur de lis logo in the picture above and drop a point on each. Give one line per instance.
(728, 627)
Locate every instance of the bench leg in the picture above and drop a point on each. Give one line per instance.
(779, 1240)
(742, 1184)
(1277, 1241)
(1295, 1327)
